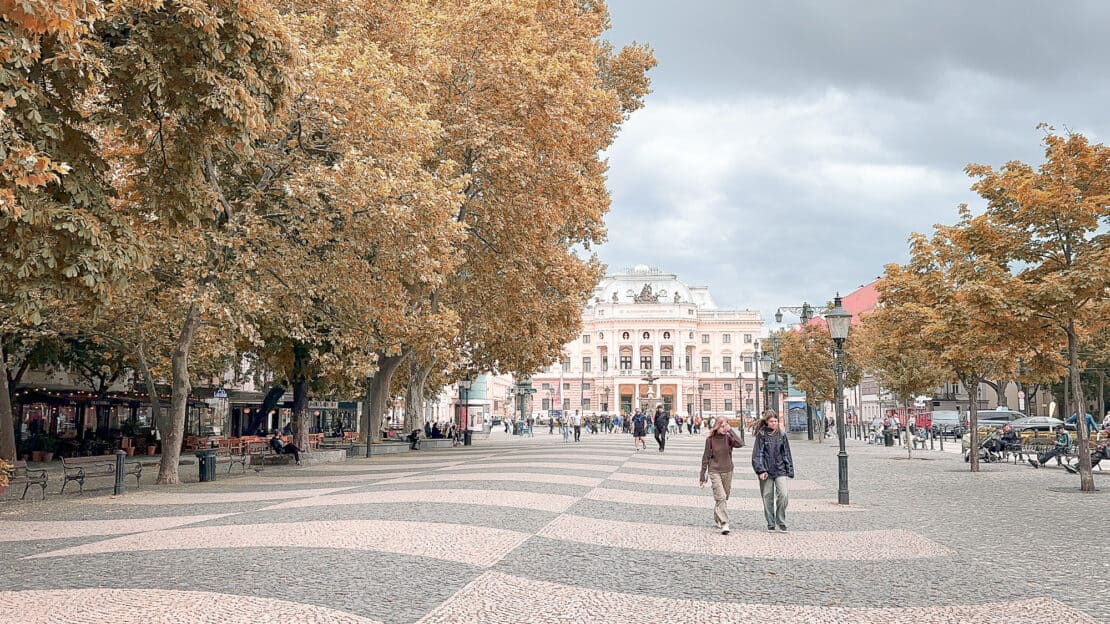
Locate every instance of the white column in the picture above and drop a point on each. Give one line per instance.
(678, 396)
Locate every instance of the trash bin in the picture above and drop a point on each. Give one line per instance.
(888, 438)
(467, 437)
(206, 460)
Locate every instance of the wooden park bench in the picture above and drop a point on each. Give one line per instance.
(80, 468)
(18, 474)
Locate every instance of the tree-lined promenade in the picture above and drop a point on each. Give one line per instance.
(333, 190)
(1020, 292)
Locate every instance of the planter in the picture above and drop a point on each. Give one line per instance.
(150, 450)
(47, 456)
(36, 456)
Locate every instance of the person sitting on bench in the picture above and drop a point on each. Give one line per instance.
(1007, 440)
(1063, 443)
(280, 448)
(414, 439)
(1101, 452)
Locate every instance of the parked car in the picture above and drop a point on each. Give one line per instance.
(1036, 423)
(996, 417)
(948, 423)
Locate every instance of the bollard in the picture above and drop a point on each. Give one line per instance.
(118, 489)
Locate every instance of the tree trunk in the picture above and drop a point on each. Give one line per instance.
(173, 428)
(7, 420)
(1082, 449)
(414, 395)
(999, 388)
(258, 421)
(300, 396)
(972, 384)
(909, 436)
(377, 395)
(148, 379)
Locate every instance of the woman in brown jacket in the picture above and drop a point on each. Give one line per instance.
(716, 460)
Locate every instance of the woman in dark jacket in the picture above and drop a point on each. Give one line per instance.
(773, 463)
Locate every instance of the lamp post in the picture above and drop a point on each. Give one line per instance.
(523, 390)
(840, 321)
(740, 391)
(768, 363)
(464, 392)
(756, 358)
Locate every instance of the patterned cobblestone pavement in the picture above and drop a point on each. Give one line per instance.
(536, 530)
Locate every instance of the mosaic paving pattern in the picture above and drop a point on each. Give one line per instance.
(158, 606)
(478, 546)
(500, 599)
(530, 530)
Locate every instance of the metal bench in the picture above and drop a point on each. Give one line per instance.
(18, 474)
(80, 468)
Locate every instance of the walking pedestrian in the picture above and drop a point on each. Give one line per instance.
(639, 431)
(716, 460)
(661, 421)
(773, 463)
(565, 429)
(576, 422)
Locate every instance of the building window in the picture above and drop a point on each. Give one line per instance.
(586, 365)
(707, 405)
(691, 335)
(705, 364)
(747, 365)
(706, 387)
(726, 338)
(585, 339)
(604, 406)
(687, 362)
(545, 387)
(601, 335)
(585, 404)
(625, 336)
(705, 338)
(726, 363)
(749, 388)
(647, 336)
(666, 335)
(728, 405)
(645, 361)
(626, 362)
(747, 338)
(566, 385)
(665, 362)
(566, 364)
(605, 362)
(728, 387)
(749, 404)
(566, 405)
(545, 404)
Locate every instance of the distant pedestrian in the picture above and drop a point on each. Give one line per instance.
(773, 463)
(550, 426)
(564, 427)
(576, 422)
(716, 462)
(639, 431)
(661, 421)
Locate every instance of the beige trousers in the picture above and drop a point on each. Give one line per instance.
(722, 489)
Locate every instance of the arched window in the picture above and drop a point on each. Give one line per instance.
(647, 336)
(625, 336)
(666, 335)
(601, 335)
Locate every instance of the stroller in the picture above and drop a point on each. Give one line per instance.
(989, 448)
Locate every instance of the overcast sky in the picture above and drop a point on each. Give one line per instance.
(789, 148)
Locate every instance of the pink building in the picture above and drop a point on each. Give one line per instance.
(649, 338)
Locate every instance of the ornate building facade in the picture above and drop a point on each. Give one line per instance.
(649, 338)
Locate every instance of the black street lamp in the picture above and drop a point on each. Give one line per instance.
(464, 390)
(757, 359)
(840, 322)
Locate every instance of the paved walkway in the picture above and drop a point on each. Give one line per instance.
(534, 530)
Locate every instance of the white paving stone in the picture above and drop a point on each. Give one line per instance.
(495, 598)
(158, 606)
(204, 498)
(408, 466)
(555, 503)
(20, 531)
(473, 545)
(502, 476)
(703, 540)
(534, 464)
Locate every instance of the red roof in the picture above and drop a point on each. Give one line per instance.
(858, 302)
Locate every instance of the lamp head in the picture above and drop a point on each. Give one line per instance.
(839, 320)
(778, 316)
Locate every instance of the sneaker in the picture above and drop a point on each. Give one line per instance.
(782, 529)
(1033, 463)
(724, 530)
(770, 529)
